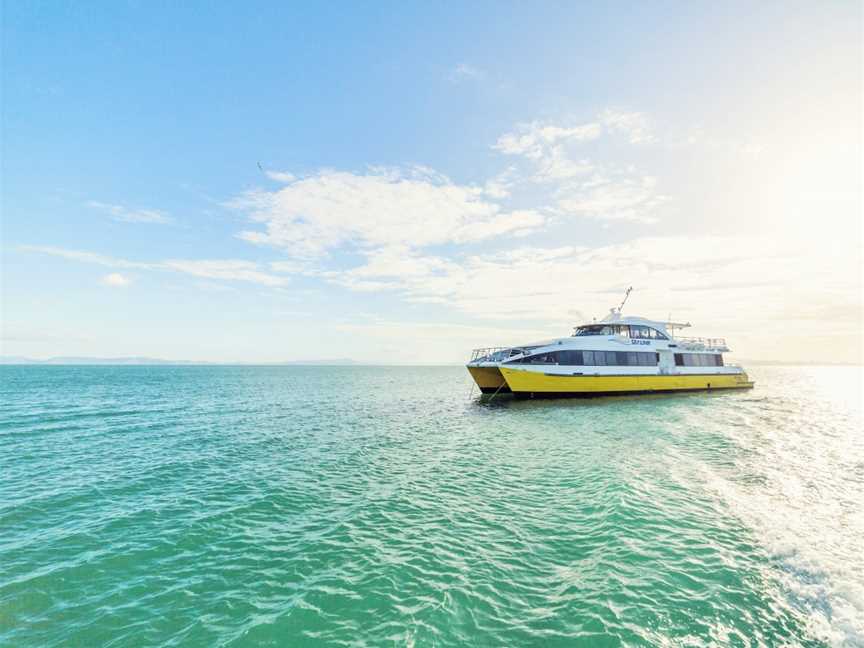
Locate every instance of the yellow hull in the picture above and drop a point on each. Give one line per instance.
(489, 379)
(536, 383)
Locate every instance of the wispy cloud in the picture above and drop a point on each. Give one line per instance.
(230, 270)
(224, 269)
(538, 284)
(628, 198)
(533, 139)
(86, 257)
(125, 214)
(465, 72)
(580, 186)
(633, 125)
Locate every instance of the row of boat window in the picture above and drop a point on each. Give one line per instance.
(698, 360)
(627, 330)
(593, 358)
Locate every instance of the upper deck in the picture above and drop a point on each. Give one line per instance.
(612, 333)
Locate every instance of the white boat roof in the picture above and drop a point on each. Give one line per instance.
(614, 317)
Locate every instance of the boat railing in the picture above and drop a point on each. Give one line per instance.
(490, 354)
(702, 343)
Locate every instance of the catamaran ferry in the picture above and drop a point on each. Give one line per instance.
(617, 355)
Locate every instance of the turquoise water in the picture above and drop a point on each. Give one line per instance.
(268, 506)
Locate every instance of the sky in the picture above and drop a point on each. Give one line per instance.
(399, 183)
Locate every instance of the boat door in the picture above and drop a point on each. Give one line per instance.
(667, 361)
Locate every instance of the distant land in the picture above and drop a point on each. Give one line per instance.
(72, 360)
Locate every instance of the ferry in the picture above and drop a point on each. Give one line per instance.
(617, 355)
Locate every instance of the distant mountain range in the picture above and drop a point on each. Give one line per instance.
(71, 360)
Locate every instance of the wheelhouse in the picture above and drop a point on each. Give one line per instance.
(639, 331)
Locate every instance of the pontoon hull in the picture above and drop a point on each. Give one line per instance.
(534, 384)
(489, 380)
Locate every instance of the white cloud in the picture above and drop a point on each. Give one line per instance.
(557, 166)
(232, 270)
(533, 139)
(115, 280)
(121, 213)
(383, 208)
(626, 198)
(465, 72)
(226, 269)
(708, 280)
(580, 186)
(280, 176)
(634, 125)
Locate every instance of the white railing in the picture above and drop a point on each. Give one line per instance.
(491, 354)
(701, 343)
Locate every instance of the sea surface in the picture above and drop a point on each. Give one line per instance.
(382, 506)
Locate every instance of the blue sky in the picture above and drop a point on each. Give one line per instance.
(432, 177)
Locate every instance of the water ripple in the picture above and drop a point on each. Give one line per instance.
(234, 506)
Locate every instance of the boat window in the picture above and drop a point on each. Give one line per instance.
(599, 329)
(698, 360)
(570, 357)
(593, 358)
(589, 330)
(543, 358)
(654, 334)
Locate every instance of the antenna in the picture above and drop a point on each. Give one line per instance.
(626, 295)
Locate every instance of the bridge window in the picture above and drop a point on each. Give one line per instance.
(589, 330)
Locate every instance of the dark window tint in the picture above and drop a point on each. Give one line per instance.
(570, 357)
(598, 358)
(590, 330)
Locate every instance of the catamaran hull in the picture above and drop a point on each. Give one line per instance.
(489, 380)
(533, 384)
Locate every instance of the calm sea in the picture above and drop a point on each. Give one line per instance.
(304, 506)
